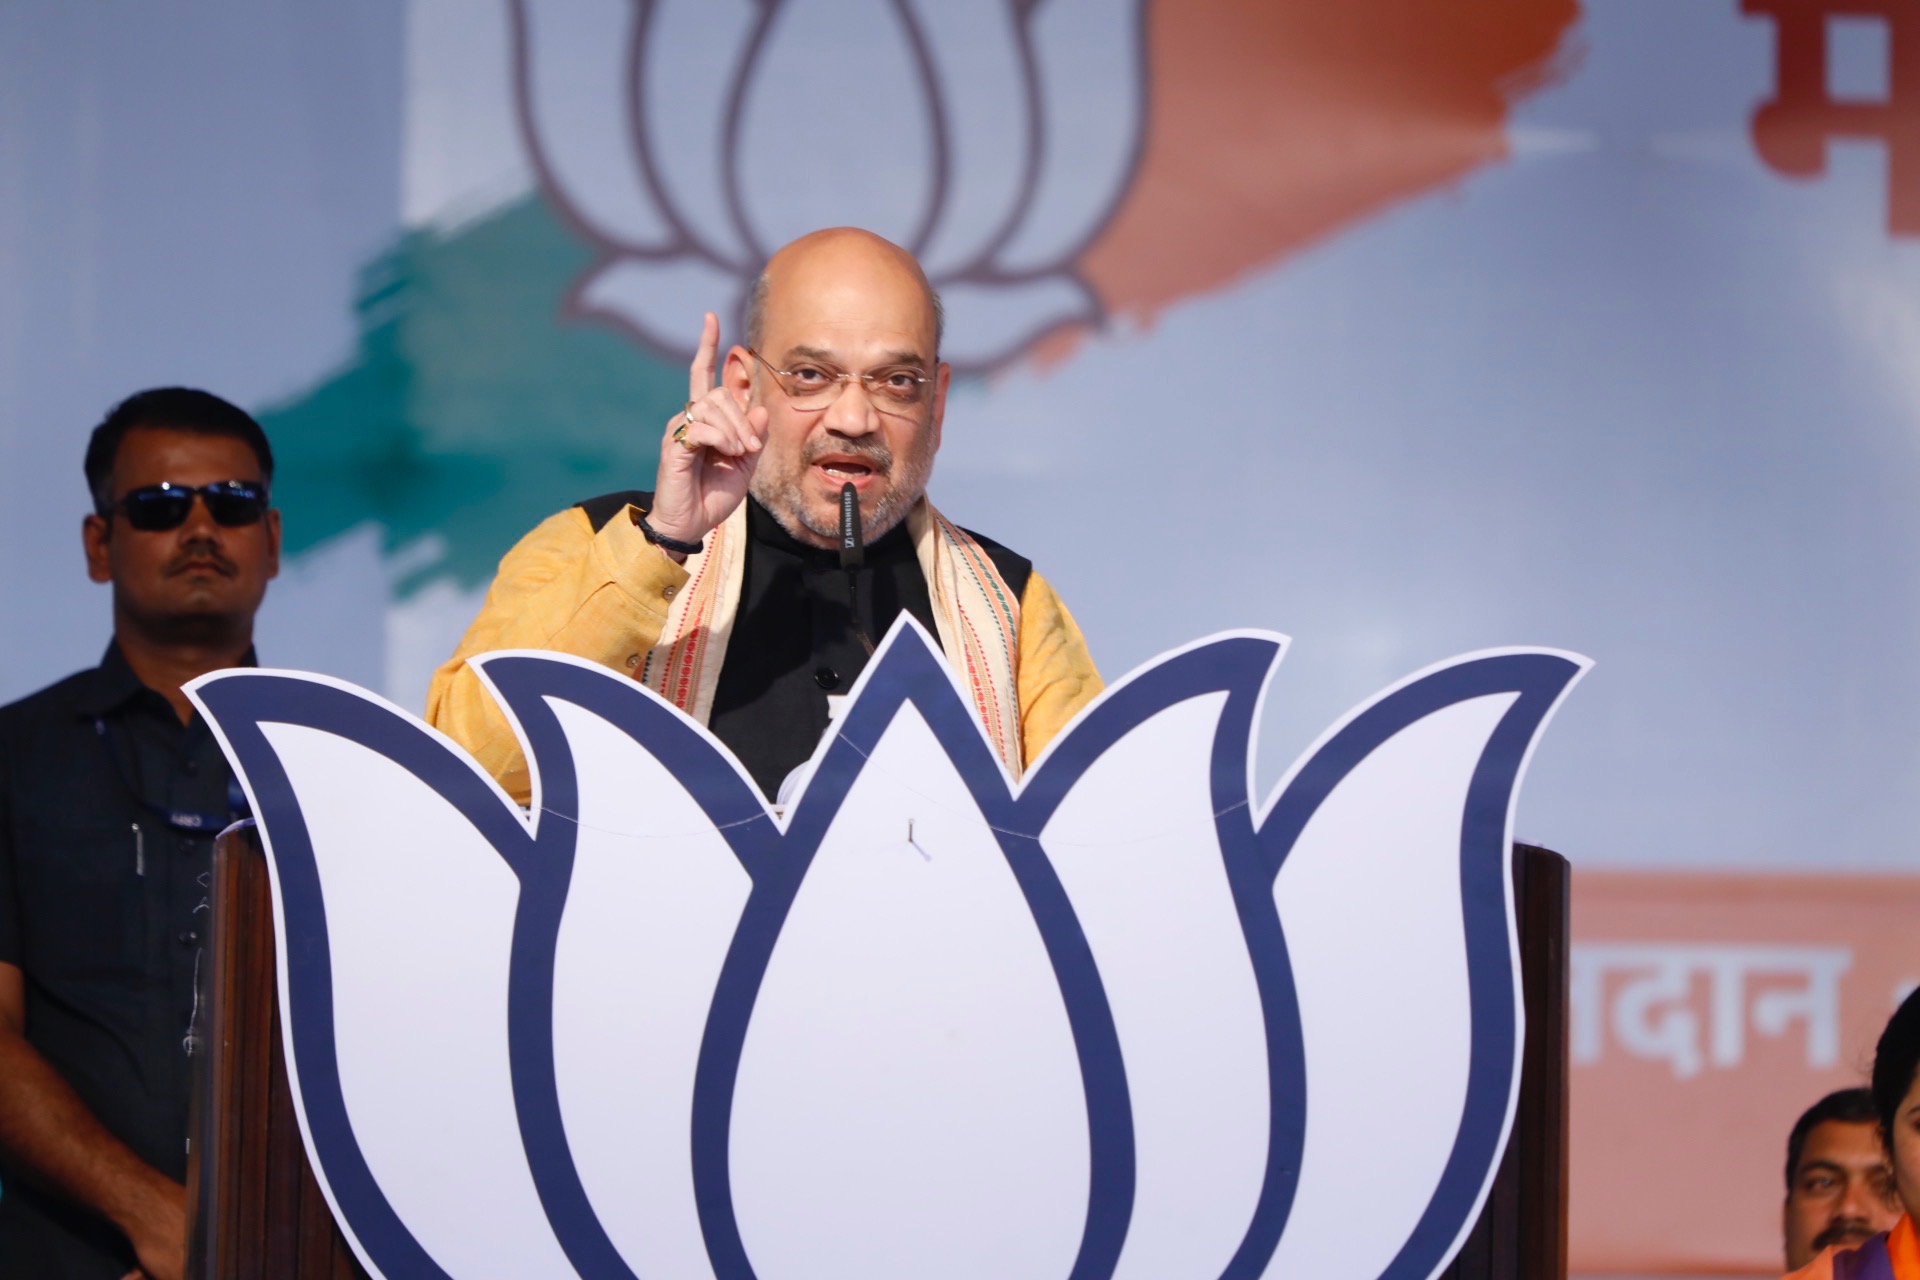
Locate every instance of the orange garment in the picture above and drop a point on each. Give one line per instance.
(1901, 1246)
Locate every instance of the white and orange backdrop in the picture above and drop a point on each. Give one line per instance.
(1403, 327)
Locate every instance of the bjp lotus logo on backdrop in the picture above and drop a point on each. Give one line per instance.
(688, 141)
(1060, 165)
(1115, 1018)
(1051, 162)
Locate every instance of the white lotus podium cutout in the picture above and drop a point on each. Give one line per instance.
(1113, 1020)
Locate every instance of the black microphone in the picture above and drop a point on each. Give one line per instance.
(853, 555)
(853, 552)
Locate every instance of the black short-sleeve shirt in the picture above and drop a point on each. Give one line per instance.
(103, 902)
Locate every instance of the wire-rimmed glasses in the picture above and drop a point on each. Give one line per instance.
(813, 384)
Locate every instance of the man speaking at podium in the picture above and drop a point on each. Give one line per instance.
(729, 589)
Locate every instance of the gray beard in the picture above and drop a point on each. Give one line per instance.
(784, 503)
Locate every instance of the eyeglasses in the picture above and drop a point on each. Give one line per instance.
(896, 388)
(155, 508)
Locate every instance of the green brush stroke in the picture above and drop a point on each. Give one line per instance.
(472, 409)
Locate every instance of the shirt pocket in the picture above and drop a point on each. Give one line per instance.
(82, 899)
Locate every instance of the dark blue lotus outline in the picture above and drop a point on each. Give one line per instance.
(908, 670)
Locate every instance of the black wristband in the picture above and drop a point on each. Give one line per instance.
(665, 543)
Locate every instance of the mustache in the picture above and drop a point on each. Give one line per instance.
(200, 551)
(1844, 1231)
(870, 451)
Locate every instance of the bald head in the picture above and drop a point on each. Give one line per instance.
(849, 262)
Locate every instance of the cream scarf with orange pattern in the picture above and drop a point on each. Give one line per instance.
(977, 615)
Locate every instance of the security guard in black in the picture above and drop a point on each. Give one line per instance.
(108, 811)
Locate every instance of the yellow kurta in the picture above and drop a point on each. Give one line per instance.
(604, 597)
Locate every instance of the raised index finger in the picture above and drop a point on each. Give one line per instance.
(700, 376)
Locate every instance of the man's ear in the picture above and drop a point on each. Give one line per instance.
(736, 375)
(273, 542)
(94, 532)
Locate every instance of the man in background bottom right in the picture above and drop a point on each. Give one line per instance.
(1894, 1254)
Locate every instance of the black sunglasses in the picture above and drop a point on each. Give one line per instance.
(155, 508)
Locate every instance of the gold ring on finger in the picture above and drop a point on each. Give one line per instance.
(680, 432)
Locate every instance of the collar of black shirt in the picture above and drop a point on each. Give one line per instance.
(114, 684)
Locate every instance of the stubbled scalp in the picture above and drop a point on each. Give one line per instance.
(836, 251)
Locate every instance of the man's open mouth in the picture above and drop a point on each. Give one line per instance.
(844, 469)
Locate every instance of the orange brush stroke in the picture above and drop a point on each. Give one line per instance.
(1274, 123)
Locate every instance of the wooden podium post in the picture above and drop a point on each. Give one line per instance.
(1522, 1232)
(259, 1214)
